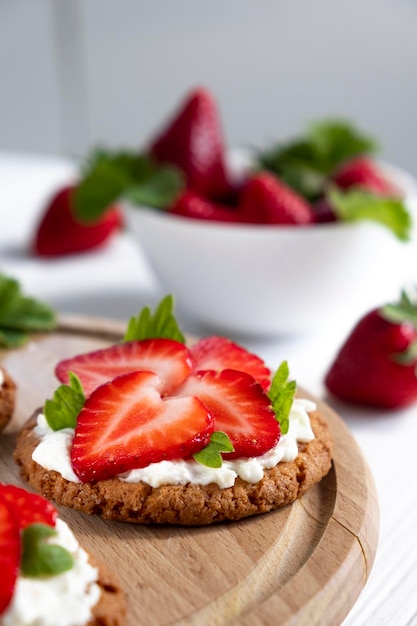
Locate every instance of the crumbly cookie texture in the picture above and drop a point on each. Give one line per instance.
(7, 398)
(110, 610)
(190, 504)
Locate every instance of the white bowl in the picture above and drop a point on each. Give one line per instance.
(272, 280)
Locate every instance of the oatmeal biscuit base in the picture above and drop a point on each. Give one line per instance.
(189, 504)
(7, 399)
(110, 610)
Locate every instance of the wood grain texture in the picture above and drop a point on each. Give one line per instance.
(303, 564)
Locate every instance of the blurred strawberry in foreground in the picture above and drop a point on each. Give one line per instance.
(60, 233)
(364, 173)
(193, 141)
(377, 365)
(267, 200)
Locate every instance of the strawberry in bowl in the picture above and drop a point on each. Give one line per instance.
(271, 242)
(153, 430)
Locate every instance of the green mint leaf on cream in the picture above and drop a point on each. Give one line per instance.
(281, 394)
(21, 315)
(68, 400)
(112, 176)
(210, 455)
(160, 324)
(40, 558)
(357, 205)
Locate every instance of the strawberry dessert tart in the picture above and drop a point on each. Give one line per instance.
(151, 430)
(47, 578)
(7, 397)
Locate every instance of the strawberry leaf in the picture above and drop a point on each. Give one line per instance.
(162, 324)
(210, 455)
(282, 394)
(20, 314)
(357, 205)
(110, 176)
(40, 558)
(306, 162)
(68, 400)
(405, 310)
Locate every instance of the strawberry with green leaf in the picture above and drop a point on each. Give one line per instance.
(61, 232)
(215, 403)
(377, 364)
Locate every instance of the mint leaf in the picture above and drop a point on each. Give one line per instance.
(281, 394)
(159, 188)
(306, 162)
(160, 324)
(20, 314)
(334, 141)
(40, 558)
(210, 455)
(110, 176)
(357, 205)
(68, 400)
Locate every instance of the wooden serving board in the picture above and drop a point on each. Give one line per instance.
(304, 564)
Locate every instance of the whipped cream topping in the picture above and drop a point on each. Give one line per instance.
(53, 453)
(66, 599)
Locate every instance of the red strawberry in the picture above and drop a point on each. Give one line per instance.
(9, 553)
(362, 172)
(59, 233)
(125, 424)
(29, 508)
(267, 200)
(218, 353)
(193, 140)
(239, 407)
(191, 204)
(377, 364)
(169, 359)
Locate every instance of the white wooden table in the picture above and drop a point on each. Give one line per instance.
(124, 283)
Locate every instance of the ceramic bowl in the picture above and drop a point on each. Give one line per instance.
(265, 280)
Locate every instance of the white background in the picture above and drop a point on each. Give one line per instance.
(74, 74)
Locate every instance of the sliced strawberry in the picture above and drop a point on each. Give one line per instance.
(125, 424)
(59, 233)
(191, 204)
(267, 200)
(29, 508)
(193, 140)
(9, 553)
(169, 359)
(364, 173)
(239, 407)
(219, 353)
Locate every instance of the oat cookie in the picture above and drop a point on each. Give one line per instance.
(189, 504)
(7, 397)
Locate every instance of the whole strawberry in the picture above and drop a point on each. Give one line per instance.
(59, 233)
(267, 200)
(364, 173)
(377, 365)
(193, 141)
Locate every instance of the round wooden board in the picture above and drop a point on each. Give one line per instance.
(303, 564)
